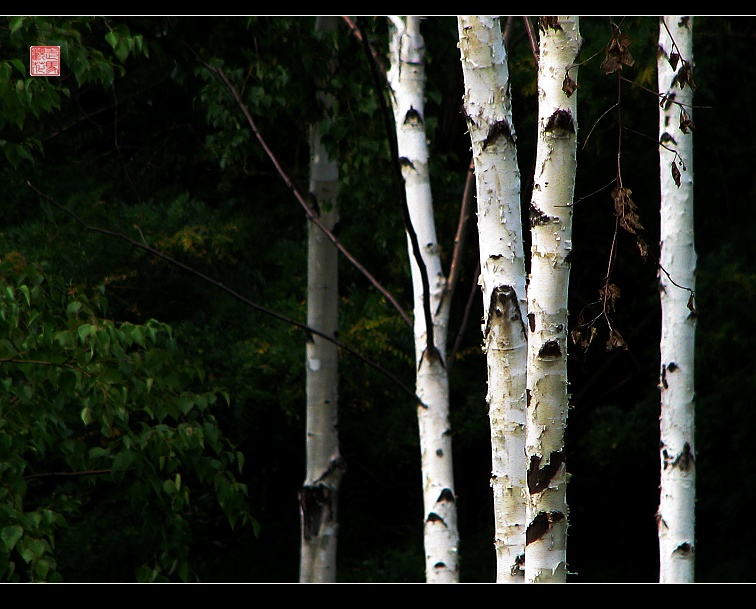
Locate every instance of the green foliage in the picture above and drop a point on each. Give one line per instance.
(92, 410)
(23, 96)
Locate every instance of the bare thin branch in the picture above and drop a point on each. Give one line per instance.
(144, 246)
(474, 291)
(310, 214)
(532, 38)
(465, 212)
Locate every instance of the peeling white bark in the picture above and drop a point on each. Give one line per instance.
(551, 231)
(407, 81)
(488, 107)
(676, 516)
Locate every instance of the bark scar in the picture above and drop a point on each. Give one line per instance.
(540, 477)
(504, 303)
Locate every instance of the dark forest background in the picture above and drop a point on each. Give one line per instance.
(138, 138)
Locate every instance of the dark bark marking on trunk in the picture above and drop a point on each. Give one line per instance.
(405, 162)
(683, 549)
(446, 495)
(433, 517)
(519, 564)
(538, 218)
(440, 565)
(561, 121)
(497, 130)
(541, 524)
(531, 321)
(540, 477)
(413, 117)
(312, 203)
(685, 459)
(550, 350)
(666, 138)
(337, 463)
(433, 355)
(315, 502)
(503, 302)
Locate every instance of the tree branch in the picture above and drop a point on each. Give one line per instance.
(310, 214)
(532, 38)
(459, 239)
(144, 246)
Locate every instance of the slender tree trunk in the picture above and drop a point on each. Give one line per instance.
(676, 516)
(489, 119)
(319, 494)
(407, 81)
(551, 231)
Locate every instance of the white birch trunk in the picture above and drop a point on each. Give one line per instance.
(319, 494)
(551, 231)
(676, 516)
(407, 81)
(502, 277)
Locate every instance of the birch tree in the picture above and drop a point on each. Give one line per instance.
(407, 83)
(551, 232)
(488, 107)
(676, 516)
(319, 493)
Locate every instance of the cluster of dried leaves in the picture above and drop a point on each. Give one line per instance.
(618, 56)
(626, 210)
(617, 53)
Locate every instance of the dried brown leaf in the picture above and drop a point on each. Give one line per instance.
(615, 341)
(609, 293)
(686, 123)
(625, 208)
(692, 305)
(642, 246)
(617, 53)
(569, 86)
(676, 174)
(582, 338)
(685, 76)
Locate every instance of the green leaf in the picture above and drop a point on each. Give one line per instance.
(42, 568)
(185, 404)
(112, 39)
(83, 331)
(7, 350)
(137, 335)
(10, 536)
(31, 549)
(25, 291)
(87, 415)
(16, 23)
(169, 487)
